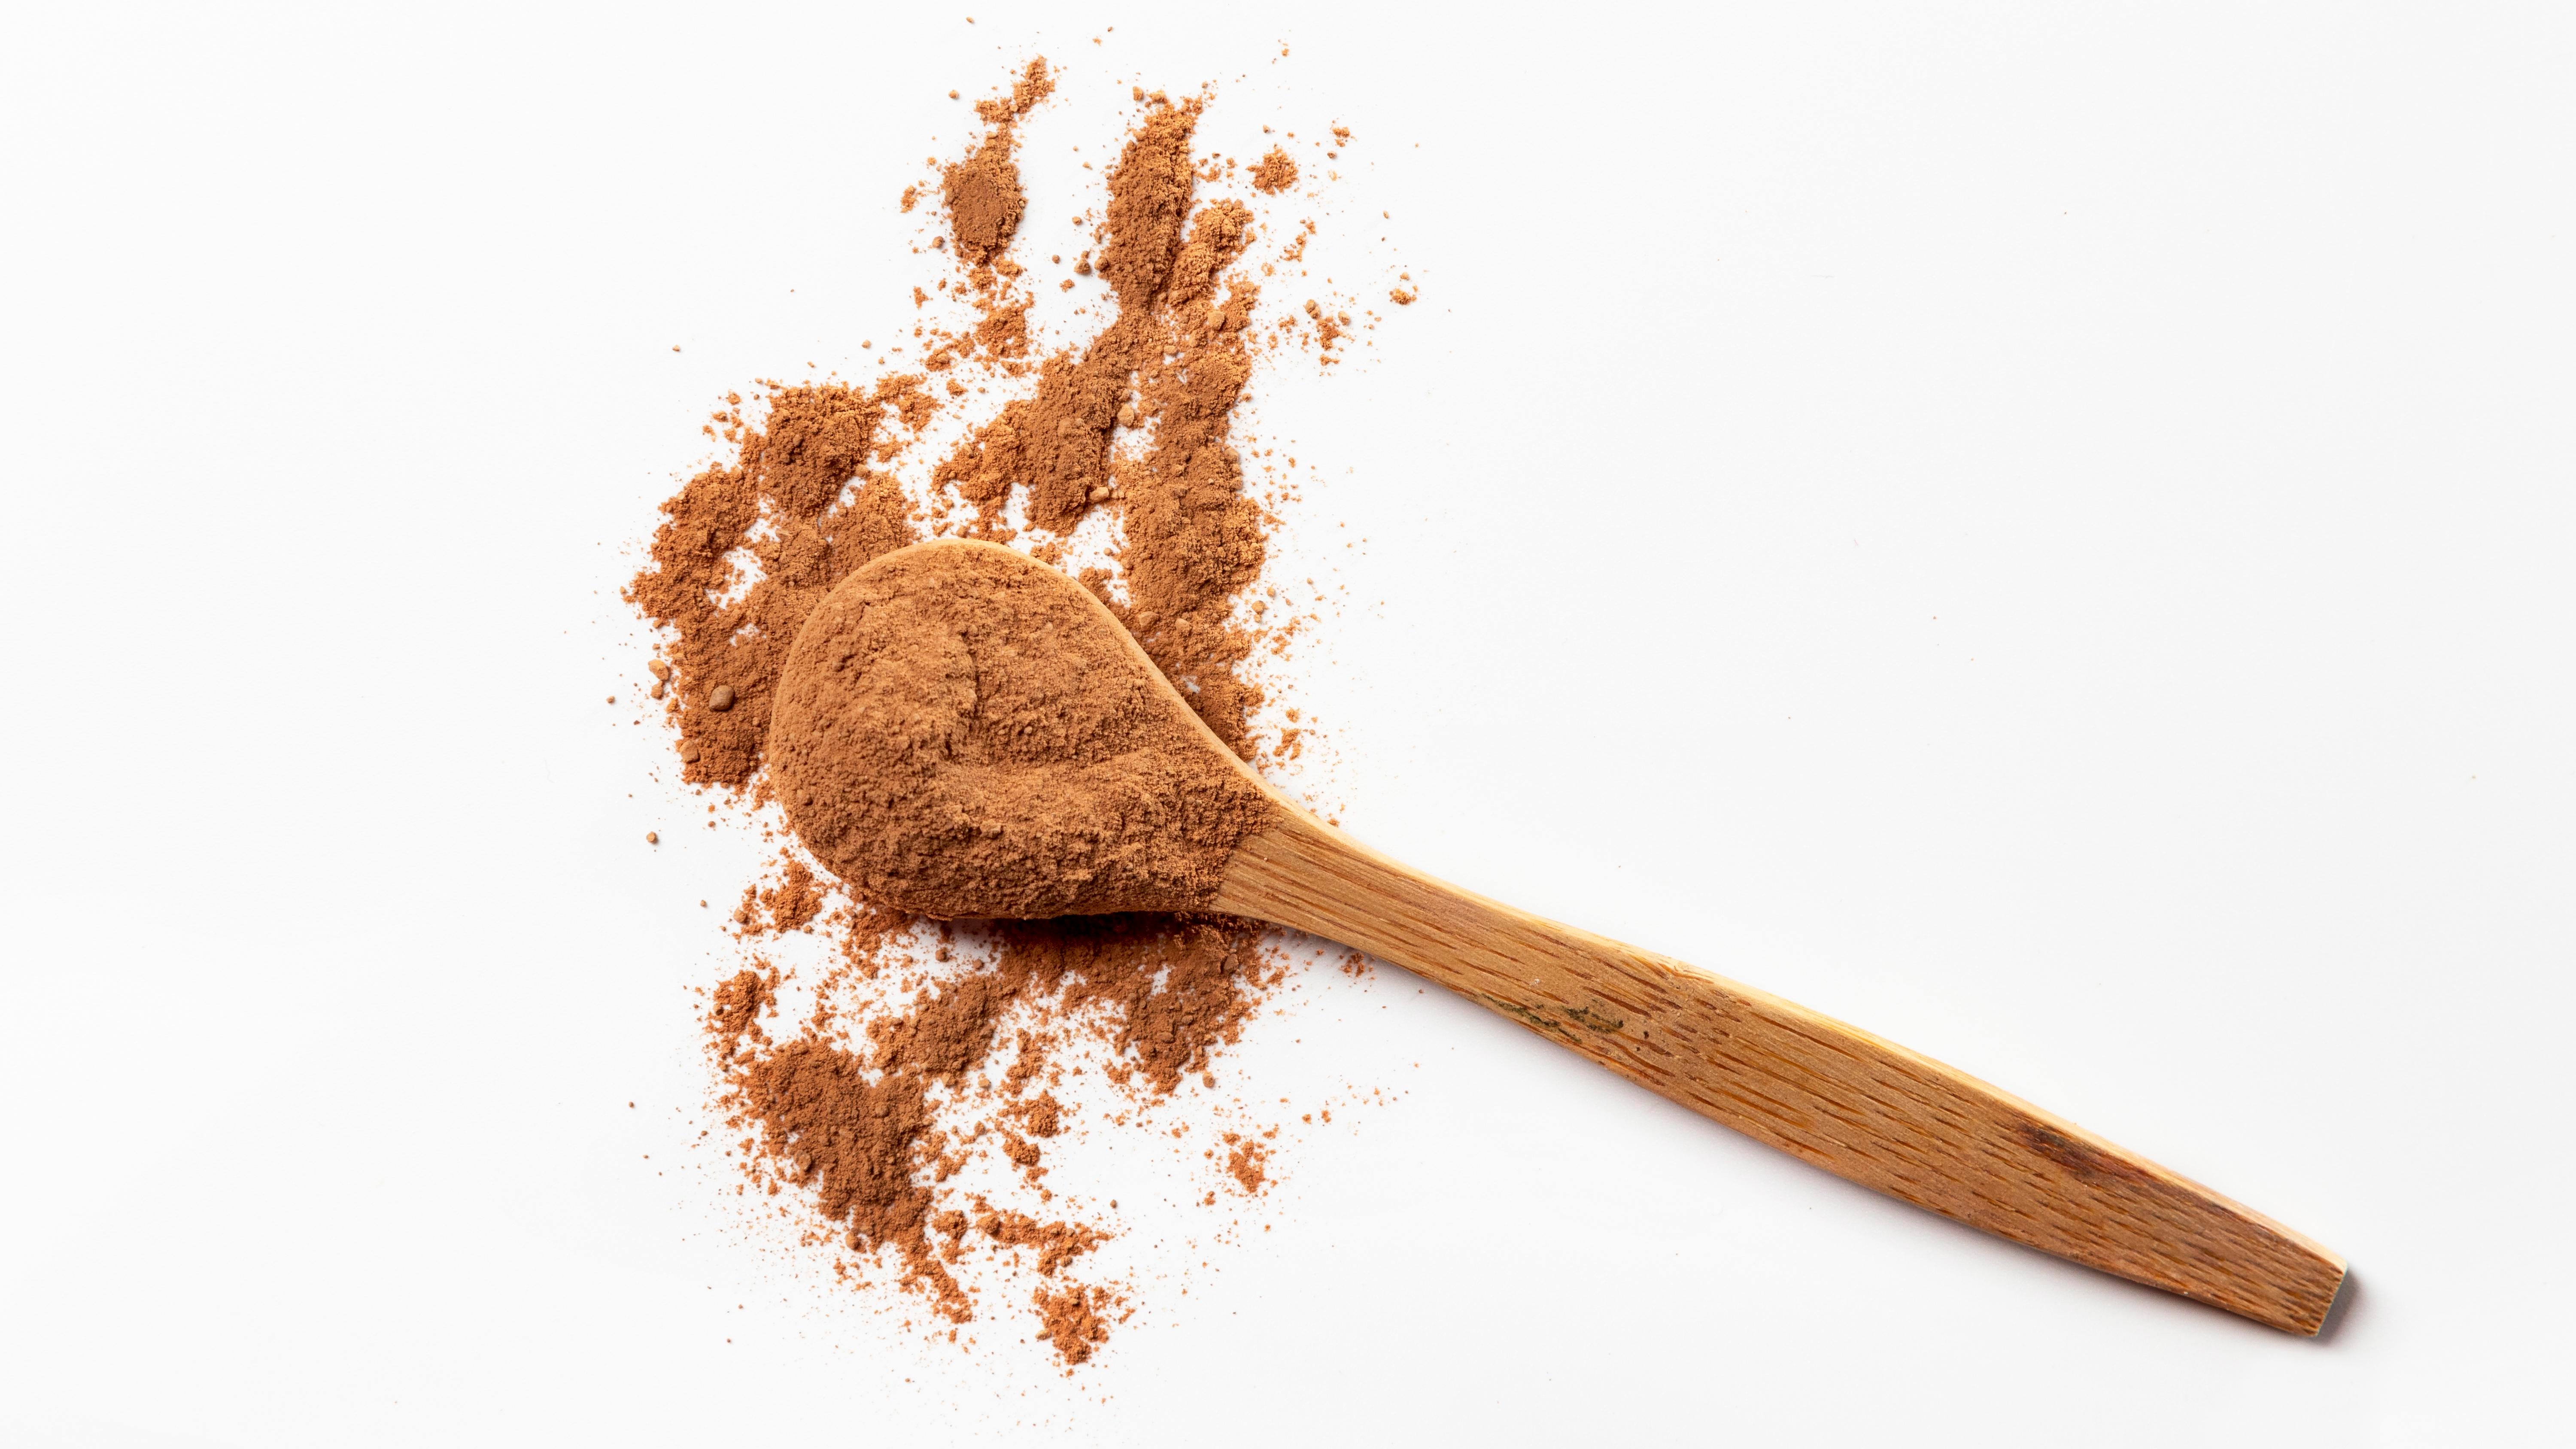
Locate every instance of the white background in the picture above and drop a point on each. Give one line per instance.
(2043, 533)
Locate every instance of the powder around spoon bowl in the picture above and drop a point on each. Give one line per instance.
(963, 731)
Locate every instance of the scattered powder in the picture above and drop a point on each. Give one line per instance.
(790, 905)
(1244, 1160)
(931, 1046)
(806, 476)
(858, 1127)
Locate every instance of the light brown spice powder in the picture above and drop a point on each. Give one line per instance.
(856, 1106)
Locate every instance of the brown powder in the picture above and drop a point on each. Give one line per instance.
(853, 1141)
(740, 1001)
(1072, 1320)
(983, 191)
(1174, 988)
(984, 198)
(1276, 173)
(790, 905)
(807, 475)
(1173, 364)
(1245, 1161)
(1169, 992)
(962, 731)
(1056, 1243)
(866, 1110)
(1035, 84)
(1044, 1117)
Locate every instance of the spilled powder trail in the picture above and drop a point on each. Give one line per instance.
(932, 1047)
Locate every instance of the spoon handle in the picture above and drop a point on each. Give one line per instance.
(1861, 1108)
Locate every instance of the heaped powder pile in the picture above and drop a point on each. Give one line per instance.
(962, 731)
(934, 1051)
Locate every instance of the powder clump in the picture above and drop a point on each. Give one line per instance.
(984, 200)
(983, 192)
(1275, 173)
(801, 500)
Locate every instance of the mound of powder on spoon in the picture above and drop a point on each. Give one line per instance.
(960, 731)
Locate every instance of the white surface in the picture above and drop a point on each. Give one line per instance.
(2045, 536)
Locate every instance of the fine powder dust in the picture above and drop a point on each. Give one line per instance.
(933, 1046)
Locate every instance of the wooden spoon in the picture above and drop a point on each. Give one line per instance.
(1861, 1108)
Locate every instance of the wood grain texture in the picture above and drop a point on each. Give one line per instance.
(1858, 1107)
